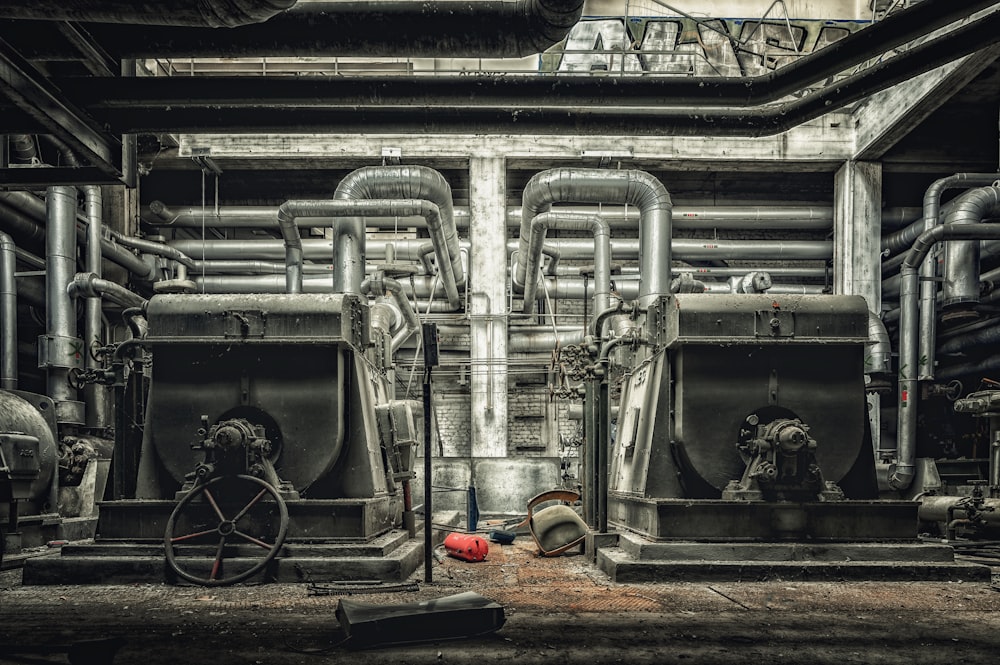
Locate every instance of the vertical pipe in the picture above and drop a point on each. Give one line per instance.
(601, 466)
(94, 396)
(8, 314)
(928, 270)
(589, 454)
(60, 312)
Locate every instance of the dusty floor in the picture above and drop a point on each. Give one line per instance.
(558, 610)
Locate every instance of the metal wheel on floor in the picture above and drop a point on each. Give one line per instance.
(200, 528)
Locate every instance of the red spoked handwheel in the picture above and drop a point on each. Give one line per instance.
(240, 518)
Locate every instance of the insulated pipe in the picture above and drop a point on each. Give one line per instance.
(89, 285)
(543, 341)
(414, 182)
(188, 13)
(94, 396)
(909, 360)
(631, 186)
(154, 248)
(8, 314)
(792, 218)
(683, 249)
(385, 285)
(602, 254)
(878, 356)
(33, 208)
(60, 312)
(383, 28)
(984, 337)
(348, 247)
(961, 259)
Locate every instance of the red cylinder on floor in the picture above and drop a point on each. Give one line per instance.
(466, 546)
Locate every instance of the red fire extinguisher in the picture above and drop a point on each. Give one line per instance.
(466, 546)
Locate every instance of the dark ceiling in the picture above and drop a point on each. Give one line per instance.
(40, 61)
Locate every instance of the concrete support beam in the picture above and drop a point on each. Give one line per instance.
(488, 305)
(817, 145)
(888, 116)
(857, 223)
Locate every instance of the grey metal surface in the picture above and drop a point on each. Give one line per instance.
(60, 310)
(8, 314)
(601, 186)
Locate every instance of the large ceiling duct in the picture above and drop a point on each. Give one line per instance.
(188, 13)
(386, 28)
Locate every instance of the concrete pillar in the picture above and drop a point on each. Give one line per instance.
(857, 230)
(488, 305)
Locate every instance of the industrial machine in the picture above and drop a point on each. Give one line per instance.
(270, 445)
(742, 419)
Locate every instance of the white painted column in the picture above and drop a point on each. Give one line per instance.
(488, 305)
(857, 231)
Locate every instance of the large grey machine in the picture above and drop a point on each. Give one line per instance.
(270, 444)
(744, 418)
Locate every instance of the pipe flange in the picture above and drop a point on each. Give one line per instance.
(175, 286)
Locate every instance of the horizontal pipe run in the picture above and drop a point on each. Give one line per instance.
(570, 248)
(778, 217)
(387, 112)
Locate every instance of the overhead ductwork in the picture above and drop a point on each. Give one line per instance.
(544, 103)
(187, 13)
(634, 187)
(383, 28)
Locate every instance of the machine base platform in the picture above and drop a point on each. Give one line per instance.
(390, 557)
(638, 559)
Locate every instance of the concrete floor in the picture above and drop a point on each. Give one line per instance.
(558, 610)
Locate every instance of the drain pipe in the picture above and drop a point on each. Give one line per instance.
(59, 348)
(384, 286)
(638, 188)
(8, 314)
(602, 254)
(901, 475)
(414, 182)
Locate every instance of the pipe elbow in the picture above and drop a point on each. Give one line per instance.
(82, 286)
(902, 477)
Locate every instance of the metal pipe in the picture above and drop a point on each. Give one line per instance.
(384, 28)
(909, 360)
(415, 182)
(631, 186)
(60, 312)
(543, 340)
(33, 208)
(154, 248)
(602, 254)
(188, 13)
(778, 217)
(961, 259)
(878, 351)
(983, 337)
(89, 285)
(94, 396)
(8, 314)
(386, 285)
(683, 249)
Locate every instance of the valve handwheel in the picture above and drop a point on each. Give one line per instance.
(225, 526)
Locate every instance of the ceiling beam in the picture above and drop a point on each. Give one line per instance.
(886, 117)
(37, 98)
